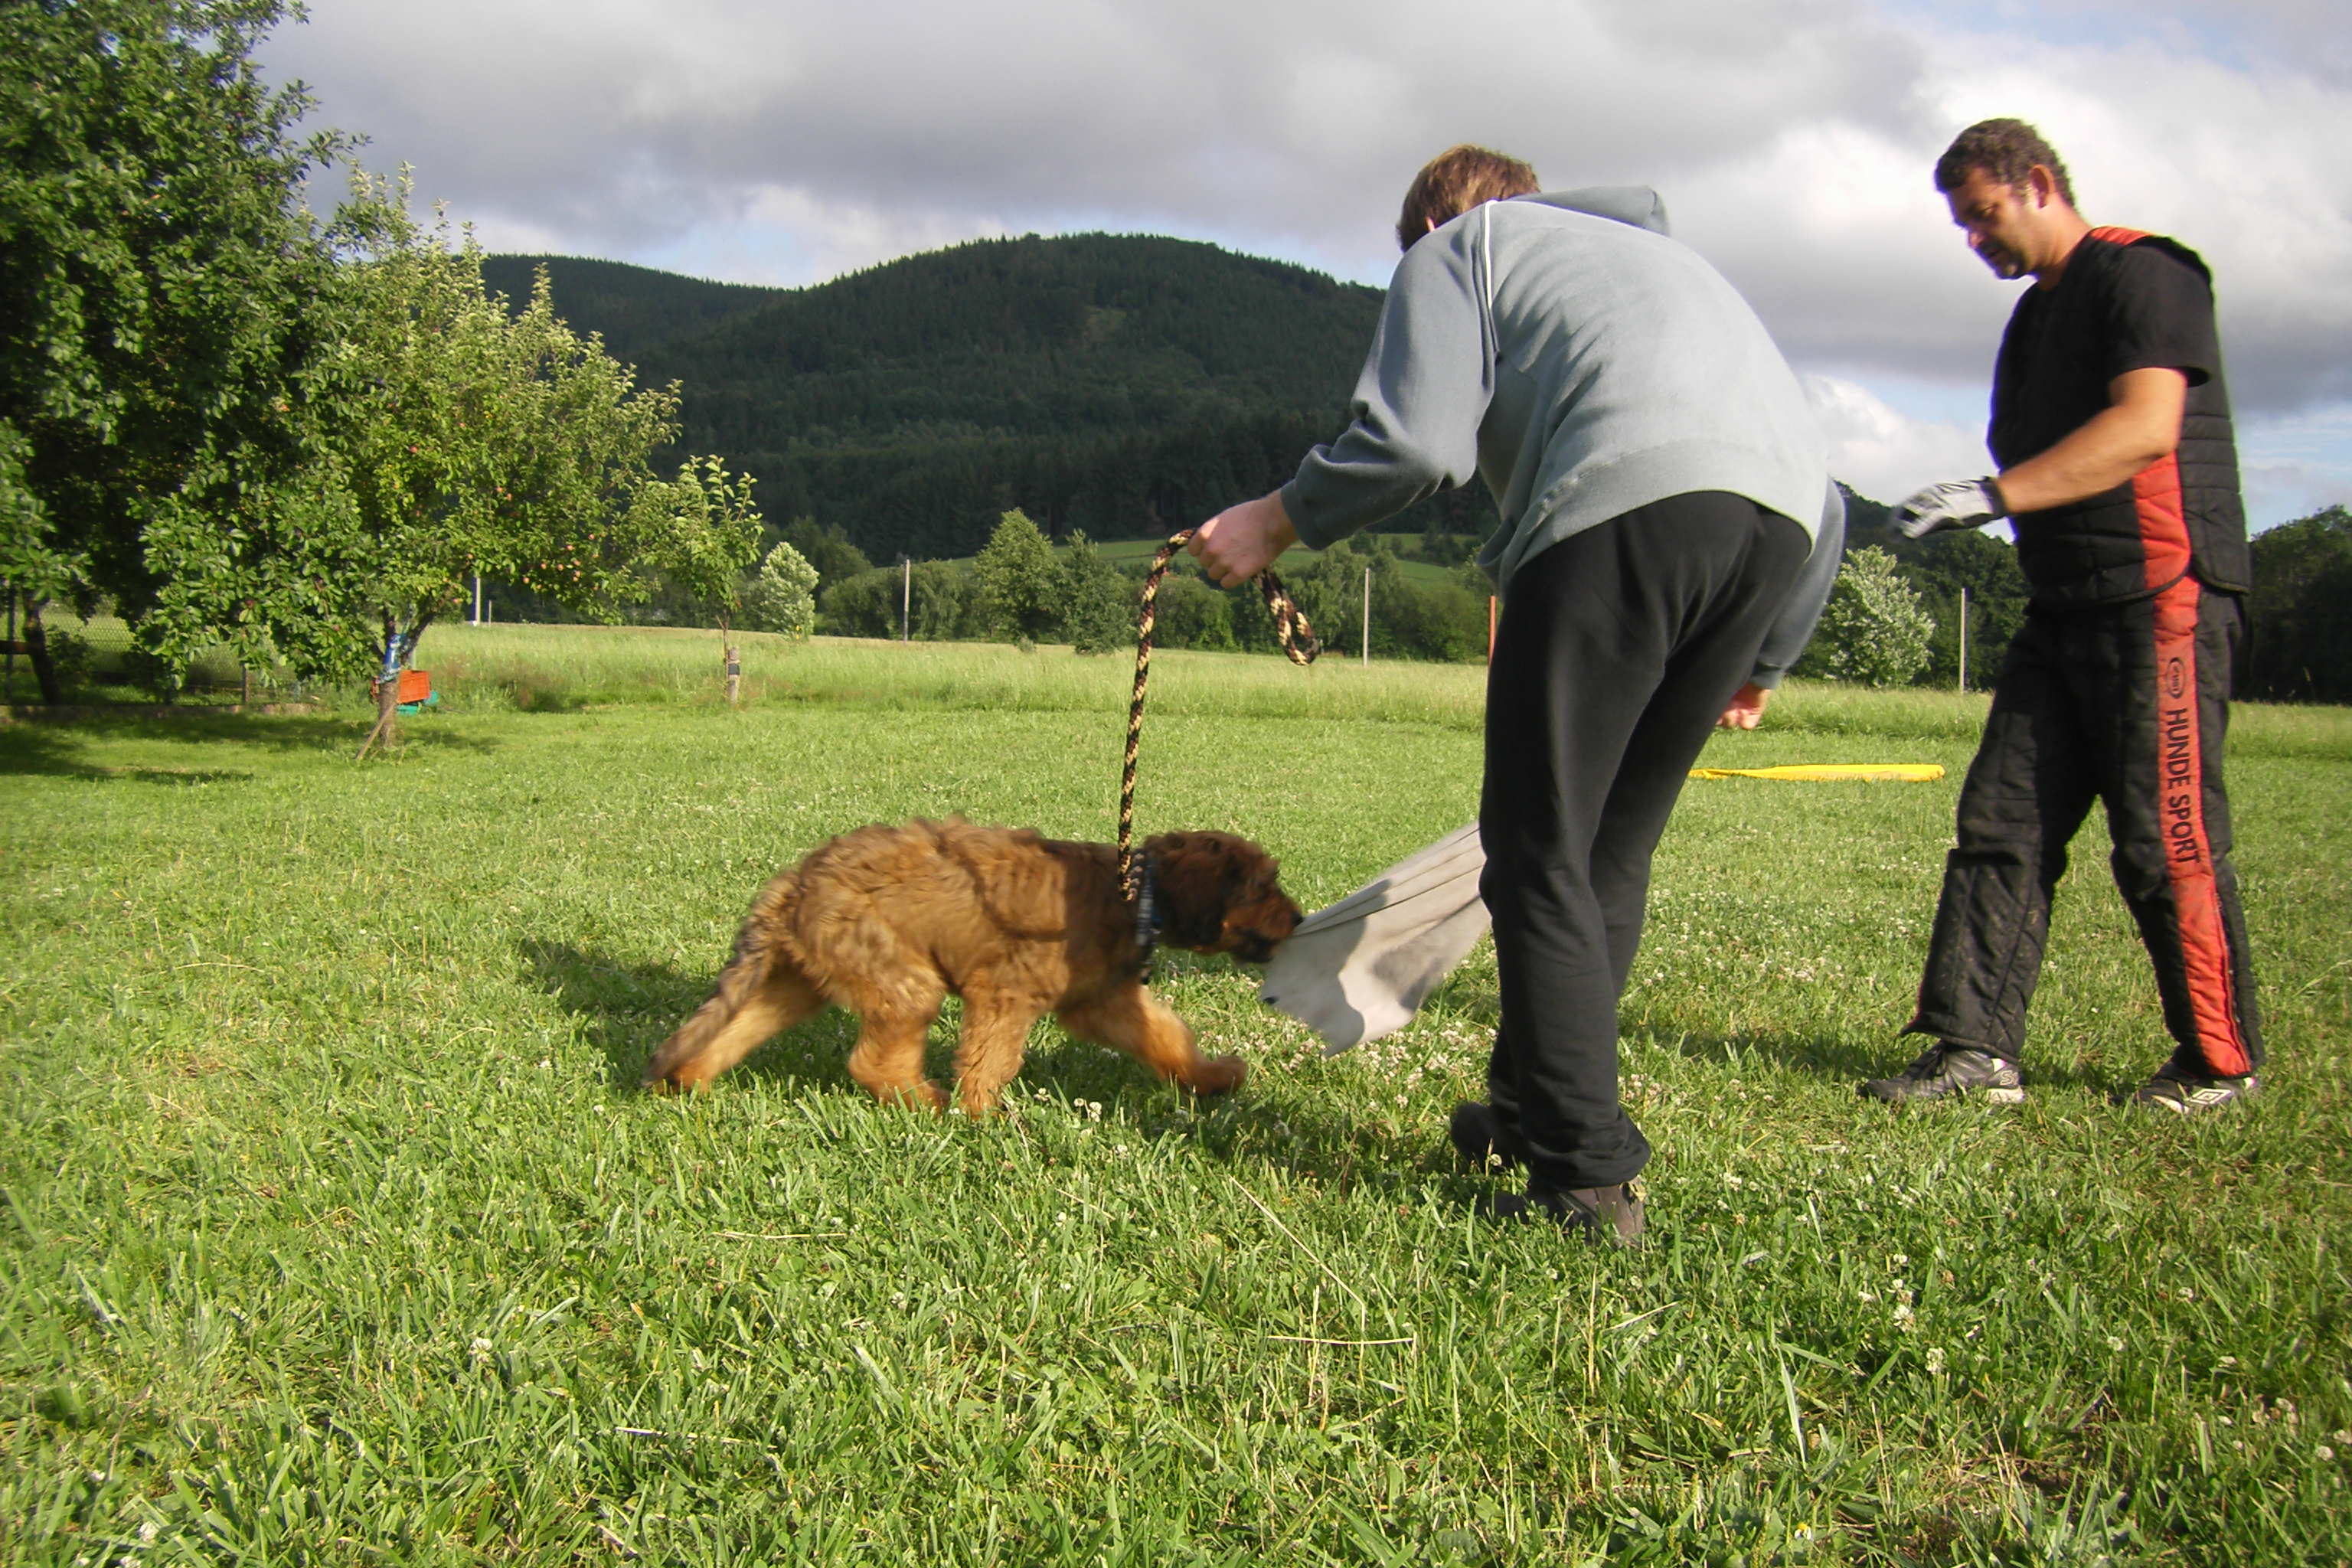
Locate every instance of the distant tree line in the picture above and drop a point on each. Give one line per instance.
(1019, 590)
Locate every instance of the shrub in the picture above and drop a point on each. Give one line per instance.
(1873, 630)
(782, 597)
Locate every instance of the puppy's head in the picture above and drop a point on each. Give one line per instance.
(1219, 894)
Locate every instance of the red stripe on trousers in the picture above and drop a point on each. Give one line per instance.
(2188, 855)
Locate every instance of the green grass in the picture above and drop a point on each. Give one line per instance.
(338, 1232)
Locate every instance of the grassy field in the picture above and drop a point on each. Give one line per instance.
(337, 1230)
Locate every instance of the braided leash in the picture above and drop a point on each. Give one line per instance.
(1298, 641)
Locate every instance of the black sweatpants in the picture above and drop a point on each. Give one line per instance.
(1619, 648)
(2125, 704)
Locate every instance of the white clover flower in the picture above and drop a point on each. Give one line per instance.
(1935, 1360)
(2325, 1452)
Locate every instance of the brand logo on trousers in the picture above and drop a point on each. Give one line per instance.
(2175, 678)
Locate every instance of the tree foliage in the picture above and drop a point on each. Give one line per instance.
(158, 278)
(1019, 583)
(1873, 630)
(449, 437)
(2301, 607)
(1099, 602)
(698, 531)
(827, 548)
(783, 598)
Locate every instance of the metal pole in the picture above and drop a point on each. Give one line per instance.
(1368, 615)
(1964, 639)
(478, 599)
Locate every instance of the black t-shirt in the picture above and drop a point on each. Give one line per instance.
(2148, 309)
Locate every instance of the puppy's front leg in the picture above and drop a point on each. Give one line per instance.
(995, 1037)
(1133, 1020)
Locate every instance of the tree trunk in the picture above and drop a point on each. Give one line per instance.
(397, 651)
(37, 648)
(387, 695)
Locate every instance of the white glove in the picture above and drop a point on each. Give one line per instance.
(1955, 503)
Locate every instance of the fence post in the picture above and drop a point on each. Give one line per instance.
(1368, 616)
(1964, 638)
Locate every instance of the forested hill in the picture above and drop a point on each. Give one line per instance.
(636, 308)
(1124, 385)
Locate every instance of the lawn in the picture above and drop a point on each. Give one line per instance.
(338, 1231)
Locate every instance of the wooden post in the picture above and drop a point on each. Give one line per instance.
(1490, 628)
(906, 596)
(1963, 685)
(734, 677)
(1367, 616)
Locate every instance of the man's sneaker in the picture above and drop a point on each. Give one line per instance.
(2184, 1089)
(1944, 1071)
(1611, 1214)
(1481, 1141)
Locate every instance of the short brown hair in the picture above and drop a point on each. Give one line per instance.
(2007, 150)
(1456, 181)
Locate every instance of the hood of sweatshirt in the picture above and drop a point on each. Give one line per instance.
(1636, 204)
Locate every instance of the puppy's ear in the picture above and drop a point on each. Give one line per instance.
(1191, 871)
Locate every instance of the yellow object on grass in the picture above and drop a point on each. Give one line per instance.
(1904, 773)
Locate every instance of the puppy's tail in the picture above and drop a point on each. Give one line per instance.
(760, 991)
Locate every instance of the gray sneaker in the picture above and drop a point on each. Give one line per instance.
(1946, 1071)
(2184, 1091)
(1611, 1214)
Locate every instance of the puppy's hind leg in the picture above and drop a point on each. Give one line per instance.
(1135, 1021)
(761, 993)
(888, 1058)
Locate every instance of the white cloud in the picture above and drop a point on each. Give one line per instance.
(1793, 139)
(1884, 453)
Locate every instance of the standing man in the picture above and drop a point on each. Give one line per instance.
(2112, 429)
(1660, 484)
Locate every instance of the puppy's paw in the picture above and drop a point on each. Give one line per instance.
(1219, 1075)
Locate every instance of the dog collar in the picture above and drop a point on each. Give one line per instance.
(1148, 917)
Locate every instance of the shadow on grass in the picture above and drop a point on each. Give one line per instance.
(1841, 1059)
(54, 747)
(628, 1009)
(631, 1008)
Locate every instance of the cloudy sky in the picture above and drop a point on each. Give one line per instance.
(786, 142)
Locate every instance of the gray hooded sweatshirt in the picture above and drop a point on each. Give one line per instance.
(1562, 348)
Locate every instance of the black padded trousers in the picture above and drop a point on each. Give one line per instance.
(2125, 704)
(1619, 648)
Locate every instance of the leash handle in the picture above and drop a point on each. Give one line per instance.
(1290, 627)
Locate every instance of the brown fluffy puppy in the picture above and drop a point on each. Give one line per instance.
(886, 921)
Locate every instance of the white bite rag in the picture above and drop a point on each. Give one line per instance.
(1356, 971)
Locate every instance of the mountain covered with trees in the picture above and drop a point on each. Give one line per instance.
(1121, 384)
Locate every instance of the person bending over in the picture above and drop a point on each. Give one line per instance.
(1669, 534)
